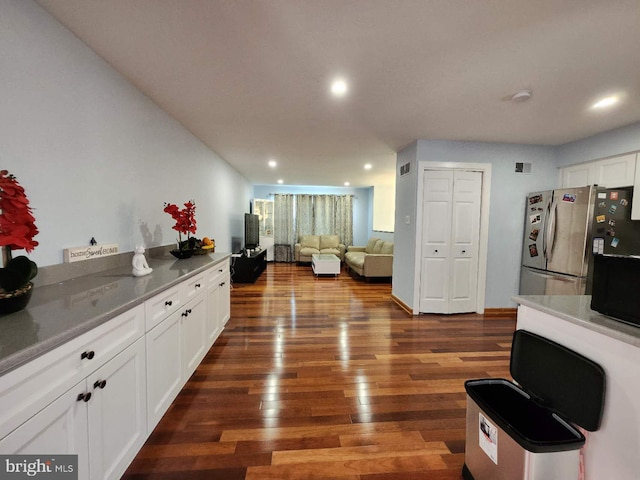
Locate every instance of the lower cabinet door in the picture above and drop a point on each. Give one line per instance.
(117, 412)
(164, 368)
(60, 428)
(193, 319)
(224, 301)
(213, 324)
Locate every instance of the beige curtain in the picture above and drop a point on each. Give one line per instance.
(343, 221)
(304, 215)
(314, 215)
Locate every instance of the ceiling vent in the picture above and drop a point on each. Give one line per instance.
(523, 167)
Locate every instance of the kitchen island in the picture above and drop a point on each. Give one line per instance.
(612, 451)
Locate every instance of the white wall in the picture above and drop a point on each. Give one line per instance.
(404, 260)
(506, 222)
(96, 157)
(614, 142)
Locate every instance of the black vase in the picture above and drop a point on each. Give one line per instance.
(17, 300)
(182, 253)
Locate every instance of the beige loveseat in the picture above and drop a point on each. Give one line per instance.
(374, 260)
(310, 244)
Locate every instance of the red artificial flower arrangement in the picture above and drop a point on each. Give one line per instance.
(17, 227)
(185, 220)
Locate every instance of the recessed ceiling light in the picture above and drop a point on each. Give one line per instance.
(346, 184)
(280, 181)
(339, 88)
(273, 163)
(521, 96)
(605, 102)
(368, 166)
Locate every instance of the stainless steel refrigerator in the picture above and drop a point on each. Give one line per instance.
(557, 246)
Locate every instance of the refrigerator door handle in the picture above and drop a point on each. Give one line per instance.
(550, 236)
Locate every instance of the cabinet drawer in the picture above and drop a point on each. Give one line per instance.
(216, 274)
(29, 388)
(161, 306)
(193, 286)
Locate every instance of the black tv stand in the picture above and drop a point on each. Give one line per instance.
(247, 268)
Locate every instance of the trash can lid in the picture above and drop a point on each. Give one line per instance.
(558, 378)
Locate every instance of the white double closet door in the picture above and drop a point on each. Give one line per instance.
(450, 241)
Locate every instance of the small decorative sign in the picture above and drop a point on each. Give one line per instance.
(78, 254)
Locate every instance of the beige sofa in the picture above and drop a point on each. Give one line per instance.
(374, 260)
(310, 244)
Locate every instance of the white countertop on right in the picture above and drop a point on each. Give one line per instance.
(577, 309)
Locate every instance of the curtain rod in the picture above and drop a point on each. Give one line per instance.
(315, 194)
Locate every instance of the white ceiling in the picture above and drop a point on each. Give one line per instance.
(250, 78)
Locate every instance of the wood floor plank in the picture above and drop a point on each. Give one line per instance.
(326, 379)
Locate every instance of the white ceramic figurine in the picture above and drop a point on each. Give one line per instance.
(140, 266)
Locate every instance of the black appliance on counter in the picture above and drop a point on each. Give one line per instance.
(616, 287)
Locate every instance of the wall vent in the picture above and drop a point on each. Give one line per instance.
(405, 169)
(523, 167)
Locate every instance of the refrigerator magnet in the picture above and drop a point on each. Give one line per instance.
(613, 195)
(535, 218)
(614, 242)
(533, 250)
(612, 209)
(535, 199)
(598, 246)
(602, 195)
(569, 197)
(601, 218)
(534, 234)
(624, 202)
(602, 205)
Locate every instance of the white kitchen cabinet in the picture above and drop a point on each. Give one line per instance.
(60, 428)
(224, 300)
(164, 368)
(101, 419)
(31, 387)
(613, 172)
(577, 175)
(101, 394)
(117, 413)
(193, 286)
(218, 308)
(193, 337)
(616, 172)
(162, 305)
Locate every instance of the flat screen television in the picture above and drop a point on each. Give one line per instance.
(251, 231)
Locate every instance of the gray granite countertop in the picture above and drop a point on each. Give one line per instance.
(59, 312)
(577, 309)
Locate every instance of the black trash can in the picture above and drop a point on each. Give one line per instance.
(525, 431)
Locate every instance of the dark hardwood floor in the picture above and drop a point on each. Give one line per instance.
(326, 378)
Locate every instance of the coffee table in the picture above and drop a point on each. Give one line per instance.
(325, 264)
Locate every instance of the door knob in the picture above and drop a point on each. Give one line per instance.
(464, 251)
(85, 397)
(88, 355)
